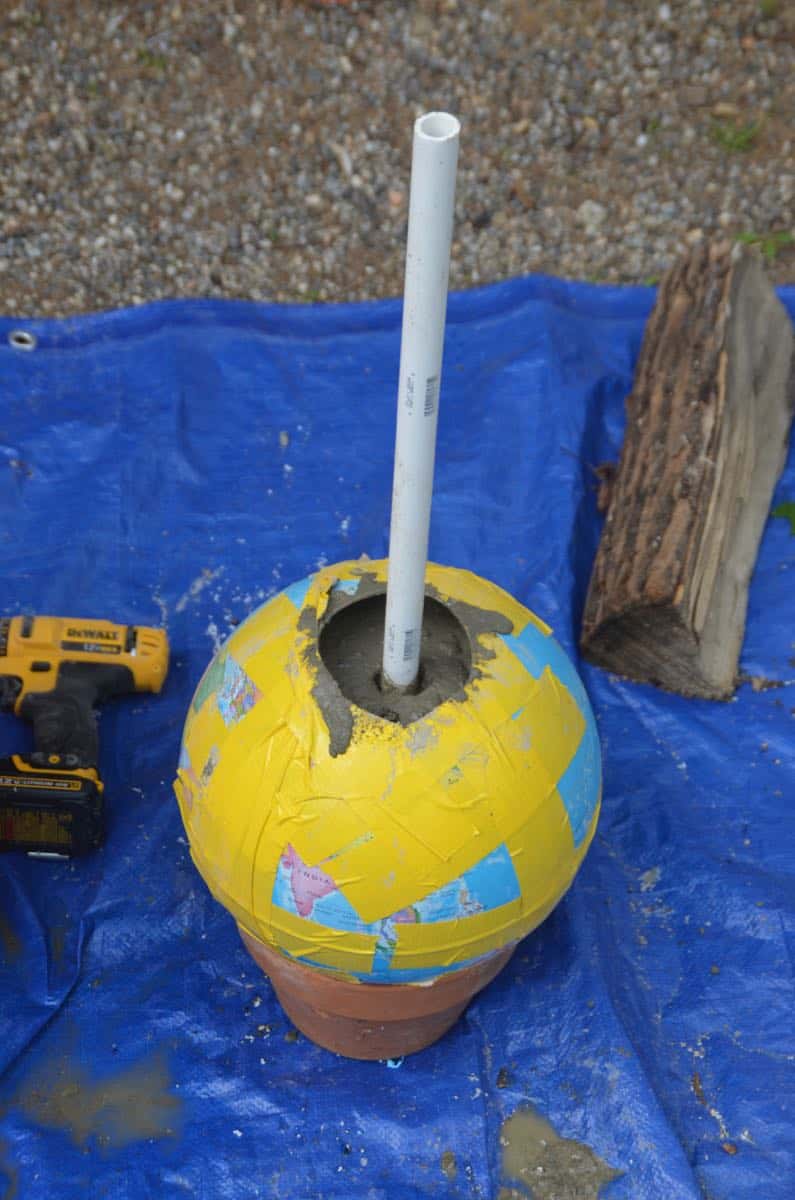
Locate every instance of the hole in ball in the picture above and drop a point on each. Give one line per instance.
(351, 647)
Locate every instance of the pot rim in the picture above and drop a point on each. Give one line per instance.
(384, 1002)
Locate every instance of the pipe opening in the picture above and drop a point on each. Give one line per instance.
(350, 646)
(438, 125)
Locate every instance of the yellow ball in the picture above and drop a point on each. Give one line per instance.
(380, 851)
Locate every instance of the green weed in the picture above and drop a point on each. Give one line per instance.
(769, 243)
(734, 138)
(155, 62)
(787, 511)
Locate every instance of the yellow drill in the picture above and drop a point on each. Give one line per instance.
(54, 671)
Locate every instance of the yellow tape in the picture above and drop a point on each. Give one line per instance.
(320, 855)
(458, 940)
(350, 952)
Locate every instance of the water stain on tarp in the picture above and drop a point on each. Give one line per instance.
(11, 1180)
(449, 1165)
(58, 934)
(12, 946)
(537, 1162)
(60, 929)
(131, 1106)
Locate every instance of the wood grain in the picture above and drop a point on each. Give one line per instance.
(706, 438)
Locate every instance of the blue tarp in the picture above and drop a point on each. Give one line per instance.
(144, 477)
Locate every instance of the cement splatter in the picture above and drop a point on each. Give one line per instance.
(423, 737)
(197, 587)
(537, 1162)
(131, 1106)
(214, 635)
(649, 879)
(162, 606)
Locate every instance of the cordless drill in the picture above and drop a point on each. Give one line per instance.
(54, 671)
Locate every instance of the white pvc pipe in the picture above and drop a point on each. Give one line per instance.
(433, 170)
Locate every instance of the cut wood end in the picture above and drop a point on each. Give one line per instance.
(707, 425)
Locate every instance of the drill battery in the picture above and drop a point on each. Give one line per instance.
(54, 671)
(49, 805)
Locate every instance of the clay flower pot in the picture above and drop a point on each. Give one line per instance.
(383, 853)
(371, 1020)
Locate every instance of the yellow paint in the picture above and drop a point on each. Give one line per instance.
(403, 812)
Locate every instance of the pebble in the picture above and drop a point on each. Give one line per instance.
(591, 215)
(694, 95)
(724, 109)
(133, 144)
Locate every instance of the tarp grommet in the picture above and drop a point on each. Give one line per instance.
(20, 339)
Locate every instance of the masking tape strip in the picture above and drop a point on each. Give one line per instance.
(345, 951)
(540, 653)
(580, 782)
(467, 937)
(310, 891)
(392, 975)
(297, 592)
(515, 926)
(348, 587)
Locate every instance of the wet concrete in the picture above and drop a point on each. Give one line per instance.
(351, 646)
(345, 651)
(537, 1162)
(130, 1106)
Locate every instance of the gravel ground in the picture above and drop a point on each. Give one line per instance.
(262, 150)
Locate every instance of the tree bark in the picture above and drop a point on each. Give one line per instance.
(706, 438)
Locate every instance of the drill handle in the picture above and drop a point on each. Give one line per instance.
(64, 722)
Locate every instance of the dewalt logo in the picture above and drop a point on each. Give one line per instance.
(93, 635)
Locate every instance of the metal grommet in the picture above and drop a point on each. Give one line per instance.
(20, 339)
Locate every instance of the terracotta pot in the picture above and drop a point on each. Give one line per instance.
(371, 1020)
